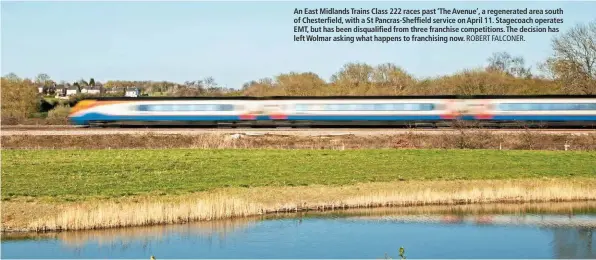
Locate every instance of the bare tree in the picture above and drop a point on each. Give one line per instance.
(391, 77)
(300, 84)
(578, 45)
(354, 73)
(12, 77)
(78, 86)
(83, 83)
(261, 87)
(574, 59)
(504, 62)
(43, 79)
(209, 82)
(353, 78)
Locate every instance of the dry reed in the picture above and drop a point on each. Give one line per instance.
(228, 203)
(146, 233)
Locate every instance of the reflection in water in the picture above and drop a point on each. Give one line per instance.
(561, 208)
(146, 235)
(544, 230)
(584, 221)
(574, 243)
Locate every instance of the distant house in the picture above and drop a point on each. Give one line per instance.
(72, 90)
(132, 92)
(91, 90)
(115, 90)
(40, 89)
(61, 90)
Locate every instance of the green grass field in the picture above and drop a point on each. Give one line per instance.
(91, 173)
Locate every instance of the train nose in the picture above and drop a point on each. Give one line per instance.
(78, 120)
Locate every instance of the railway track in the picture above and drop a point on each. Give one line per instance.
(72, 130)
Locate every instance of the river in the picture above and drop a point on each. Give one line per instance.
(546, 230)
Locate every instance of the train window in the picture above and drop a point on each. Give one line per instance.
(366, 107)
(383, 107)
(192, 107)
(546, 106)
(333, 107)
(226, 107)
(301, 107)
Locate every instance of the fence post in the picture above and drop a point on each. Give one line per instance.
(566, 146)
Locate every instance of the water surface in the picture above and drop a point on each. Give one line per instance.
(488, 231)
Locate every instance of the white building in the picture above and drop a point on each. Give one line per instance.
(72, 90)
(132, 92)
(91, 90)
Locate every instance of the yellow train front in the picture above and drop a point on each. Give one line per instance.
(579, 111)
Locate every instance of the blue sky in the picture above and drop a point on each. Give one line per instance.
(234, 42)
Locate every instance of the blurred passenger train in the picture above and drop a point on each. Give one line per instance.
(352, 111)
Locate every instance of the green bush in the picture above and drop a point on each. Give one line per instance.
(47, 104)
(19, 99)
(59, 114)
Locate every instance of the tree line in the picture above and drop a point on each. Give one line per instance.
(570, 69)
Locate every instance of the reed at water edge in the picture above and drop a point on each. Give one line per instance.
(231, 203)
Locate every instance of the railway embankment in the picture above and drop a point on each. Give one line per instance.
(69, 189)
(570, 140)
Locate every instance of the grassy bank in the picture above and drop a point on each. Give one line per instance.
(466, 139)
(88, 189)
(79, 174)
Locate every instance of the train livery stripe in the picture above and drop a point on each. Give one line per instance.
(90, 103)
(247, 117)
(442, 117)
(484, 112)
(101, 117)
(363, 117)
(278, 116)
(452, 112)
(544, 117)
